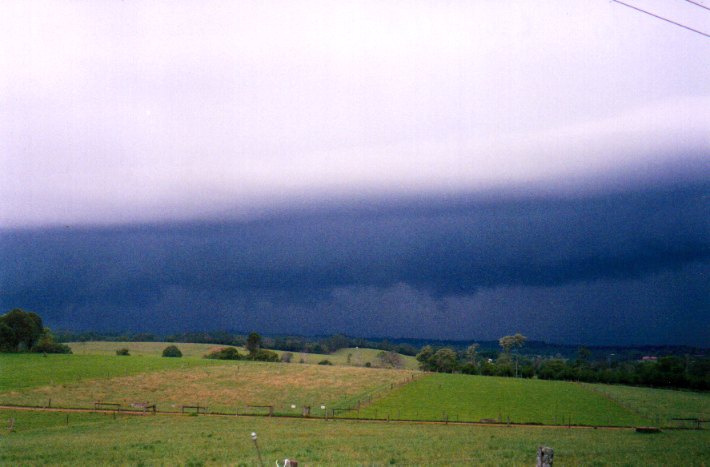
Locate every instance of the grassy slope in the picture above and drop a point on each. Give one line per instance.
(358, 357)
(659, 405)
(79, 380)
(90, 439)
(23, 371)
(472, 398)
(140, 348)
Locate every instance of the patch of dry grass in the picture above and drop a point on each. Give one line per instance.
(222, 388)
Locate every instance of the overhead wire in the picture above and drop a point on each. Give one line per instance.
(698, 4)
(662, 18)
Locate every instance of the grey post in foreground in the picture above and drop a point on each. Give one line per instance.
(545, 456)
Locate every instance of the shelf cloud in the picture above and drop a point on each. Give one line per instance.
(443, 170)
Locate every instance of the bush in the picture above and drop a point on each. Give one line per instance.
(226, 353)
(123, 351)
(286, 357)
(263, 355)
(468, 368)
(390, 359)
(325, 362)
(51, 347)
(172, 351)
(47, 344)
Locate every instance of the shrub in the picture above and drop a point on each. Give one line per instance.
(468, 368)
(51, 347)
(286, 357)
(263, 355)
(47, 344)
(123, 351)
(325, 362)
(226, 353)
(390, 359)
(172, 351)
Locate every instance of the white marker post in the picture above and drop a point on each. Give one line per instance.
(253, 437)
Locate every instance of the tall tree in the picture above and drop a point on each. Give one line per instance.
(19, 330)
(253, 343)
(512, 342)
(445, 360)
(424, 358)
(472, 353)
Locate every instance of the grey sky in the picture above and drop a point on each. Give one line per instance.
(114, 112)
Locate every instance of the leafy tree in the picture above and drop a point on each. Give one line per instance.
(445, 360)
(390, 359)
(469, 368)
(472, 353)
(19, 330)
(424, 358)
(583, 355)
(172, 351)
(337, 342)
(512, 342)
(253, 343)
(47, 344)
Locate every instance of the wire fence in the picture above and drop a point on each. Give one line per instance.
(344, 413)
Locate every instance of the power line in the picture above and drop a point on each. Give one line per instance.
(698, 4)
(662, 18)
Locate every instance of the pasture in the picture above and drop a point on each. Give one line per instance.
(80, 380)
(347, 356)
(472, 398)
(232, 386)
(23, 371)
(149, 349)
(98, 439)
(659, 405)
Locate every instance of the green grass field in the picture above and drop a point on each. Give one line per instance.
(80, 380)
(96, 373)
(93, 439)
(24, 371)
(153, 349)
(472, 398)
(348, 356)
(658, 405)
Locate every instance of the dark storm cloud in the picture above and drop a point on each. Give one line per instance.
(309, 268)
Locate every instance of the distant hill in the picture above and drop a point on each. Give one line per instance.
(322, 344)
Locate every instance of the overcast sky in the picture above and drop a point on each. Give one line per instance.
(119, 113)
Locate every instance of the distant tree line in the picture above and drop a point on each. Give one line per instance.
(22, 331)
(405, 346)
(675, 366)
(672, 371)
(254, 349)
